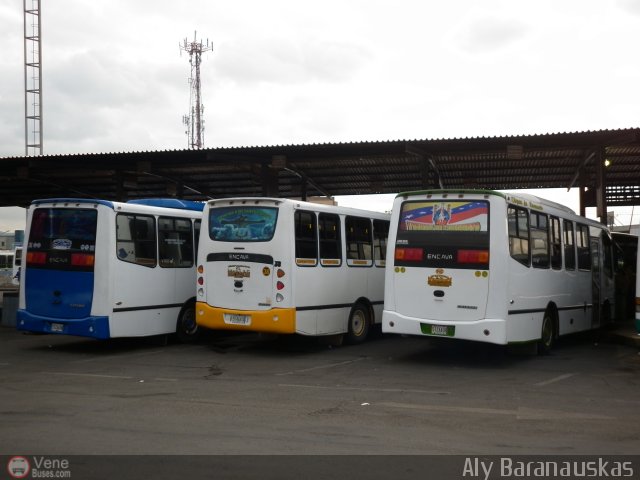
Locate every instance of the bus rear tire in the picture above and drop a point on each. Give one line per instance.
(187, 330)
(359, 323)
(547, 335)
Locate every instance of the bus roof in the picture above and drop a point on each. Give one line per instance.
(317, 206)
(170, 203)
(72, 200)
(152, 202)
(532, 199)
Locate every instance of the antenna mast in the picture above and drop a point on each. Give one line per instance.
(194, 121)
(32, 78)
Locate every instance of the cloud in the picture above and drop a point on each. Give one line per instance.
(630, 6)
(289, 61)
(490, 34)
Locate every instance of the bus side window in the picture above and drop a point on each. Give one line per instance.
(175, 242)
(607, 252)
(330, 239)
(136, 239)
(359, 238)
(569, 246)
(518, 221)
(380, 235)
(539, 240)
(556, 244)
(306, 235)
(196, 235)
(584, 249)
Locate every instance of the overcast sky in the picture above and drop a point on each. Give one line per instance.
(295, 72)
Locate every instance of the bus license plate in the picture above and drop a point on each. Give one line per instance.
(57, 327)
(235, 319)
(438, 330)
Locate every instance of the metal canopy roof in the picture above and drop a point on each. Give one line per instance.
(557, 160)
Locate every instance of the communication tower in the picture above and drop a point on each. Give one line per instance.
(194, 121)
(32, 78)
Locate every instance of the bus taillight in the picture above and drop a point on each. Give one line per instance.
(280, 273)
(280, 285)
(473, 256)
(36, 258)
(82, 260)
(409, 254)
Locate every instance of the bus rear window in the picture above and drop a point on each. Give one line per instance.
(62, 238)
(443, 233)
(242, 224)
(444, 216)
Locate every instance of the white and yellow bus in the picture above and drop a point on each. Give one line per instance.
(288, 266)
(492, 267)
(102, 269)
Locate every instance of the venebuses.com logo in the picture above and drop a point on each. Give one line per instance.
(18, 467)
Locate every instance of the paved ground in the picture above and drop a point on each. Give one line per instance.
(246, 394)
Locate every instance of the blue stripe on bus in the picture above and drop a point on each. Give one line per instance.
(94, 327)
(60, 294)
(170, 203)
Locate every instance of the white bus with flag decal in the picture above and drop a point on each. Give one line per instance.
(492, 267)
(288, 266)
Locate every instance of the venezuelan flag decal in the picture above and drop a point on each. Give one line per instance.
(445, 216)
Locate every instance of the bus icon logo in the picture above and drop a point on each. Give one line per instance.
(18, 467)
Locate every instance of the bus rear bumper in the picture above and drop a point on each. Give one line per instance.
(275, 320)
(93, 326)
(485, 330)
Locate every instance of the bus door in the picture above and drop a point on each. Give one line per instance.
(242, 263)
(59, 262)
(441, 260)
(596, 281)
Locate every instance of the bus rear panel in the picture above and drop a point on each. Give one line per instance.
(441, 268)
(59, 273)
(247, 282)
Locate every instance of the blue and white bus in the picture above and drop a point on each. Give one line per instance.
(102, 269)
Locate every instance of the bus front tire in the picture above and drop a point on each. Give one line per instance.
(359, 323)
(187, 330)
(547, 335)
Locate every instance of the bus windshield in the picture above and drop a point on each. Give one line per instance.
(62, 238)
(443, 233)
(242, 223)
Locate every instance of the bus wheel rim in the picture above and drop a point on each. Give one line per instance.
(358, 323)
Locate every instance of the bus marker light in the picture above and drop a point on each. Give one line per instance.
(82, 260)
(200, 269)
(37, 258)
(200, 281)
(280, 273)
(279, 285)
(200, 292)
(409, 254)
(279, 297)
(473, 256)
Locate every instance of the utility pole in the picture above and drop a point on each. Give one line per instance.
(194, 121)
